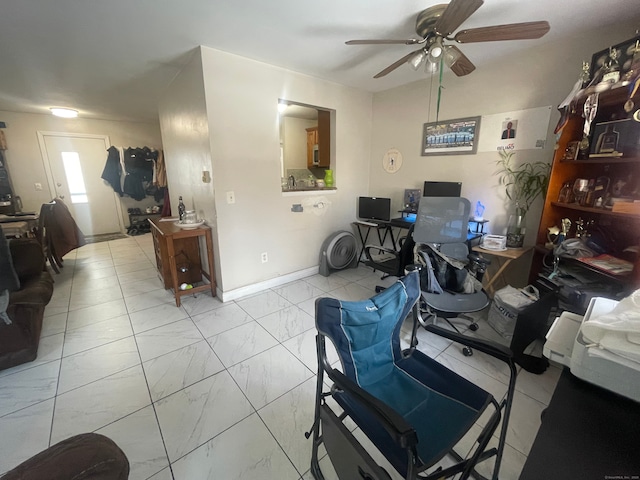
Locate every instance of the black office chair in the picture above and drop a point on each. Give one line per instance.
(389, 261)
(451, 277)
(411, 407)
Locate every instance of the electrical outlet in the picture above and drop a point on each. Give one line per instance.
(264, 257)
(231, 197)
(38, 186)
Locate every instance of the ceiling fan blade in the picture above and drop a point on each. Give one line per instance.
(455, 14)
(512, 31)
(411, 41)
(458, 61)
(395, 65)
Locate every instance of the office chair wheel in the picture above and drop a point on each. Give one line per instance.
(473, 327)
(467, 352)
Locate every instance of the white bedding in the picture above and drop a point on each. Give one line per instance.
(617, 331)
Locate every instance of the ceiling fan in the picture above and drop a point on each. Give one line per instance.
(435, 24)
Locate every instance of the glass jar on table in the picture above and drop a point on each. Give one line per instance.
(190, 217)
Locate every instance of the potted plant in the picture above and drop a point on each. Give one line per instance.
(523, 184)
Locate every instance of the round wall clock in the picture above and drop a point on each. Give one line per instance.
(392, 160)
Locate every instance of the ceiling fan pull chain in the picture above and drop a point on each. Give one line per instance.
(440, 87)
(431, 85)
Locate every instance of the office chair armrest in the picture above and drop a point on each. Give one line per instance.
(380, 249)
(490, 348)
(395, 425)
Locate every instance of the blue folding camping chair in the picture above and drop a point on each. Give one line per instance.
(412, 408)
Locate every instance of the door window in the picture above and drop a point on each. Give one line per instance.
(75, 180)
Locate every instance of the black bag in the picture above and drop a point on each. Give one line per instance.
(448, 277)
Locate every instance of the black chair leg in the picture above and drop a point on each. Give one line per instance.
(53, 264)
(473, 326)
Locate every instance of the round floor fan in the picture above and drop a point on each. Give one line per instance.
(339, 251)
(435, 24)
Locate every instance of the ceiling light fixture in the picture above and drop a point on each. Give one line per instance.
(416, 59)
(431, 67)
(430, 57)
(64, 112)
(435, 50)
(451, 55)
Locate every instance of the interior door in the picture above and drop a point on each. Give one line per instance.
(75, 164)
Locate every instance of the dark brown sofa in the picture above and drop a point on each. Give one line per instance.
(22, 258)
(88, 456)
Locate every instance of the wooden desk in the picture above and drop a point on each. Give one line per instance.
(504, 258)
(176, 247)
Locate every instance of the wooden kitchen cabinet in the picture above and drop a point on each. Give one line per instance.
(312, 136)
(312, 141)
(178, 257)
(320, 136)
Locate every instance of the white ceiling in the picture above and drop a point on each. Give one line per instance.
(112, 59)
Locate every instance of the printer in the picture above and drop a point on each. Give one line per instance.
(603, 346)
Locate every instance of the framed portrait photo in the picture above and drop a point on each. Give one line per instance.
(451, 137)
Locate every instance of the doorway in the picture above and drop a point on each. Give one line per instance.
(74, 164)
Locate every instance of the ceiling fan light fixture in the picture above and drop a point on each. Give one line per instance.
(64, 112)
(451, 55)
(435, 50)
(415, 61)
(432, 67)
(437, 23)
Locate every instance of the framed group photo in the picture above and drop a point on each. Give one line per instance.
(451, 137)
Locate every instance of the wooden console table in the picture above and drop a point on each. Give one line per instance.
(504, 258)
(178, 257)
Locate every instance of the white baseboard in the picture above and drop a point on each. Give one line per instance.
(267, 284)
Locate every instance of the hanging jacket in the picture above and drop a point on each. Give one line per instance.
(161, 172)
(138, 164)
(112, 170)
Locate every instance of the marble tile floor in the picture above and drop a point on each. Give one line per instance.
(207, 390)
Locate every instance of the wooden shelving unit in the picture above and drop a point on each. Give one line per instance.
(624, 228)
(596, 211)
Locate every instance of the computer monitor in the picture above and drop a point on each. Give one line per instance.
(374, 208)
(441, 189)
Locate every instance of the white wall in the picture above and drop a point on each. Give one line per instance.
(185, 137)
(541, 76)
(241, 100)
(25, 159)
